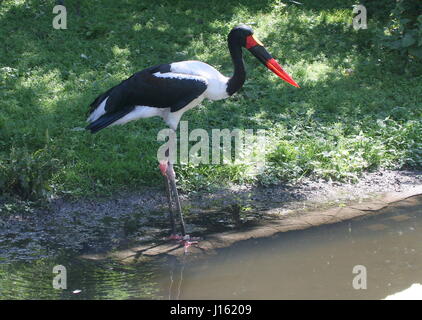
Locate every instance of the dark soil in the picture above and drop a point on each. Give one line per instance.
(98, 225)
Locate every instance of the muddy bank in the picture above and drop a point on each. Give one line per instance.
(267, 228)
(304, 194)
(133, 225)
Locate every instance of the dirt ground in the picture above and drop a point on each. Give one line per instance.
(306, 194)
(94, 226)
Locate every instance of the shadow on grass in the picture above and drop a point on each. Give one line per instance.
(106, 43)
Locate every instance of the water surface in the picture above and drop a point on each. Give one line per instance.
(316, 263)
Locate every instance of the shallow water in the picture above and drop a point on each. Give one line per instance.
(310, 264)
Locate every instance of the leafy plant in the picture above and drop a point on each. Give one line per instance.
(27, 173)
(405, 29)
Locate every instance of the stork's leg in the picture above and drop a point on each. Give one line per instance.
(163, 169)
(169, 201)
(186, 240)
(171, 175)
(167, 170)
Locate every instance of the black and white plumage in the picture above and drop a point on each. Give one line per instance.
(166, 90)
(169, 90)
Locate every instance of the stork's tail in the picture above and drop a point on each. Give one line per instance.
(106, 120)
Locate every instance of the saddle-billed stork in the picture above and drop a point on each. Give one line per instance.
(169, 90)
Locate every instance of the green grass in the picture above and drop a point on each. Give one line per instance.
(356, 110)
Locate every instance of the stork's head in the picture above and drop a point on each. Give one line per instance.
(242, 35)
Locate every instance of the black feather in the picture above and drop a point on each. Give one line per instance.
(145, 89)
(107, 119)
(94, 104)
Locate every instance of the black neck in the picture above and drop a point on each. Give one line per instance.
(238, 79)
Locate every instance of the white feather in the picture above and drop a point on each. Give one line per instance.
(172, 118)
(174, 75)
(98, 112)
(141, 112)
(217, 83)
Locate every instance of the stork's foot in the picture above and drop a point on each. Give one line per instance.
(185, 240)
(174, 236)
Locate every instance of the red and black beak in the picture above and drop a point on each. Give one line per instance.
(257, 49)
